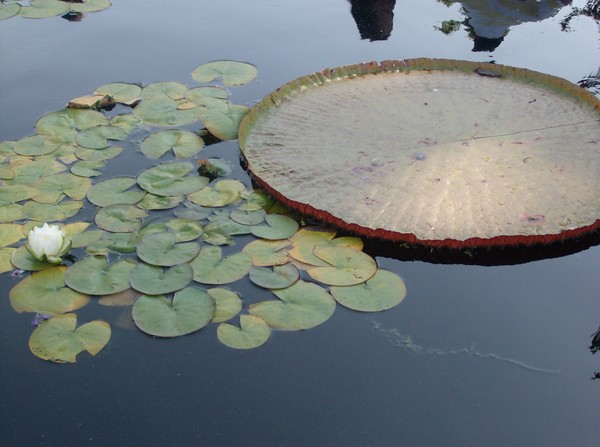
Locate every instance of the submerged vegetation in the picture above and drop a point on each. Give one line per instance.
(171, 242)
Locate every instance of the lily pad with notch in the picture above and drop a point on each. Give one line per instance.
(252, 333)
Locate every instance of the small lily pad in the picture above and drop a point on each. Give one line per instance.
(253, 217)
(44, 292)
(303, 305)
(254, 332)
(10, 234)
(98, 137)
(161, 110)
(22, 259)
(211, 268)
(6, 264)
(9, 10)
(103, 154)
(173, 90)
(228, 303)
(41, 9)
(183, 143)
(94, 276)
(347, 266)
(267, 253)
(53, 187)
(278, 227)
(232, 73)
(50, 212)
(87, 168)
(120, 218)
(171, 179)
(223, 123)
(58, 339)
(225, 192)
(114, 191)
(124, 93)
(154, 202)
(152, 280)
(303, 246)
(185, 229)
(190, 310)
(16, 193)
(163, 249)
(278, 277)
(383, 291)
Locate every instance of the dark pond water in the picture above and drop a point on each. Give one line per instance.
(475, 355)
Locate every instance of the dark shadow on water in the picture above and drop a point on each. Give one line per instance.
(374, 18)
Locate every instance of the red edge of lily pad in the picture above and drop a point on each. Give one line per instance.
(389, 66)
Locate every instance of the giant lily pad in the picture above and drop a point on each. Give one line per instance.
(431, 151)
(94, 276)
(59, 341)
(190, 310)
(45, 293)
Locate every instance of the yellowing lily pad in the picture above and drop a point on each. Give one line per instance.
(44, 292)
(383, 291)
(254, 332)
(228, 303)
(94, 276)
(211, 268)
(303, 305)
(58, 339)
(152, 280)
(163, 249)
(10, 233)
(225, 192)
(6, 264)
(190, 310)
(347, 266)
(278, 277)
(266, 253)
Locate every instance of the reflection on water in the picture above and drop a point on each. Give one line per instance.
(374, 18)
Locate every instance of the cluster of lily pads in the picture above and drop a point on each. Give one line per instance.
(41, 9)
(164, 240)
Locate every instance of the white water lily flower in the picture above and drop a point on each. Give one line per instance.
(48, 243)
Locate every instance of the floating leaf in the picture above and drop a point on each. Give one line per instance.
(90, 6)
(232, 73)
(267, 253)
(16, 193)
(183, 143)
(303, 305)
(86, 238)
(5, 259)
(160, 110)
(28, 171)
(154, 202)
(52, 188)
(193, 211)
(223, 123)
(57, 339)
(41, 9)
(173, 90)
(347, 266)
(226, 227)
(87, 168)
(92, 102)
(185, 229)
(162, 249)
(94, 276)
(190, 310)
(279, 277)
(208, 96)
(35, 145)
(152, 280)
(278, 227)
(10, 233)
(102, 154)
(253, 333)
(97, 137)
(65, 120)
(383, 291)
(124, 93)
(228, 303)
(115, 190)
(120, 299)
(49, 212)
(44, 292)
(253, 217)
(210, 268)
(304, 245)
(10, 212)
(225, 192)
(9, 10)
(22, 259)
(170, 179)
(120, 218)
(214, 167)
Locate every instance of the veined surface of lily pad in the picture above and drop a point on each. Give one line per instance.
(430, 151)
(189, 311)
(94, 276)
(381, 292)
(45, 293)
(303, 305)
(58, 339)
(252, 333)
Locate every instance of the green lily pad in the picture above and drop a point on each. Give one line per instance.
(268, 253)
(183, 143)
(90, 6)
(214, 167)
(190, 310)
(65, 120)
(185, 229)
(44, 292)
(253, 333)
(226, 227)
(35, 145)
(41, 9)
(154, 202)
(383, 291)
(16, 193)
(10, 212)
(244, 217)
(53, 187)
(98, 137)
(22, 259)
(303, 305)
(211, 268)
(278, 277)
(225, 192)
(228, 303)
(278, 227)
(94, 276)
(152, 280)
(87, 168)
(162, 249)
(10, 234)
(28, 171)
(347, 266)
(193, 211)
(49, 212)
(59, 341)
(212, 97)
(214, 238)
(126, 121)
(173, 90)
(6, 264)
(171, 179)
(223, 123)
(232, 73)
(9, 10)
(161, 110)
(114, 191)
(120, 218)
(303, 246)
(122, 92)
(86, 238)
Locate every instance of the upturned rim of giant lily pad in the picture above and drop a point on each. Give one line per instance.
(534, 221)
